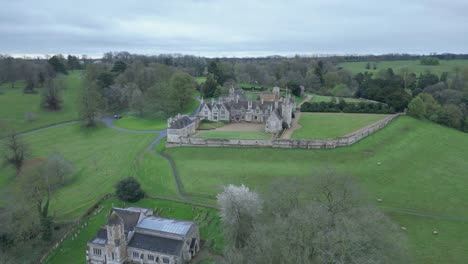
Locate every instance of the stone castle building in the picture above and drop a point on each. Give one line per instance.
(134, 235)
(272, 109)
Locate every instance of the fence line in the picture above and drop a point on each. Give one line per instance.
(287, 143)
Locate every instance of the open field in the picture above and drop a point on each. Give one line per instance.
(101, 156)
(14, 105)
(323, 98)
(73, 251)
(138, 123)
(332, 125)
(410, 164)
(413, 66)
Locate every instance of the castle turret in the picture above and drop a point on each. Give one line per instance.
(116, 247)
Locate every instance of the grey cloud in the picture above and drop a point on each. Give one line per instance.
(210, 27)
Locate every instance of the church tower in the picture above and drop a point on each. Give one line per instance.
(286, 109)
(116, 246)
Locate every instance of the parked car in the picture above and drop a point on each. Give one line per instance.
(117, 116)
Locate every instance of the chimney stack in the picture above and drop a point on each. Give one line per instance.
(237, 99)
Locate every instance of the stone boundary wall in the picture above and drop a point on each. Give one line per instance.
(287, 143)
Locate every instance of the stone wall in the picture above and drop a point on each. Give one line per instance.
(287, 143)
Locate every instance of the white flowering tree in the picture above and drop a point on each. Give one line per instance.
(239, 209)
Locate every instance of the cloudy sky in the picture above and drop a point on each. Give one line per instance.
(233, 28)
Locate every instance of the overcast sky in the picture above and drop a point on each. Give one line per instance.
(233, 28)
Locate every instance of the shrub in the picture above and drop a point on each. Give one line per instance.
(129, 190)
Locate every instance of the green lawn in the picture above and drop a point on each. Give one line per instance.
(204, 125)
(413, 66)
(234, 135)
(139, 123)
(14, 105)
(73, 251)
(155, 174)
(101, 157)
(332, 125)
(410, 164)
(323, 98)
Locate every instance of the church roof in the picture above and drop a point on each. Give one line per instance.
(101, 237)
(129, 217)
(156, 244)
(181, 122)
(165, 225)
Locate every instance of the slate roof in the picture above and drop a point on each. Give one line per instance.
(156, 244)
(181, 122)
(165, 225)
(129, 217)
(101, 237)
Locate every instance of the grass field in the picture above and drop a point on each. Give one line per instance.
(323, 98)
(332, 125)
(73, 251)
(410, 164)
(101, 156)
(139, 123)
(234, 134)
(413, 66)
(14, 104)
(204, 125)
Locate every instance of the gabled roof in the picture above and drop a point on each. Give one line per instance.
(181, 122)
(156, 244)
(129, 217)
(101, 237)
(165, 225)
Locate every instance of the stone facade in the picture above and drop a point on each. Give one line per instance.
(274, 111)
(181, 126)
(134, 235)
(287, 143)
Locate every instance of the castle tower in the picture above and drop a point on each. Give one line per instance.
(116, 246)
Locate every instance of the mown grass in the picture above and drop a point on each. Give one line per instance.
(234, 135)
(101, 156)
(332, 125)
(410, 164)
(138, 123)
(74, 251)
(323, 98)
(14, 105)
(412, 65)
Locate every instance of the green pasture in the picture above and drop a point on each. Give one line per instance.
(412, 65)
(16, 106)
(411, 165)
(101, 156)
(332, 125)
(234, 134)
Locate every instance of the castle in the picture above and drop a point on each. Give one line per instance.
(272, 109)
(134, 235)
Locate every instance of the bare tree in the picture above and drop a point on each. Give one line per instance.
(51, 95)
(331, 223)
(239, 208)
(15, 151)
